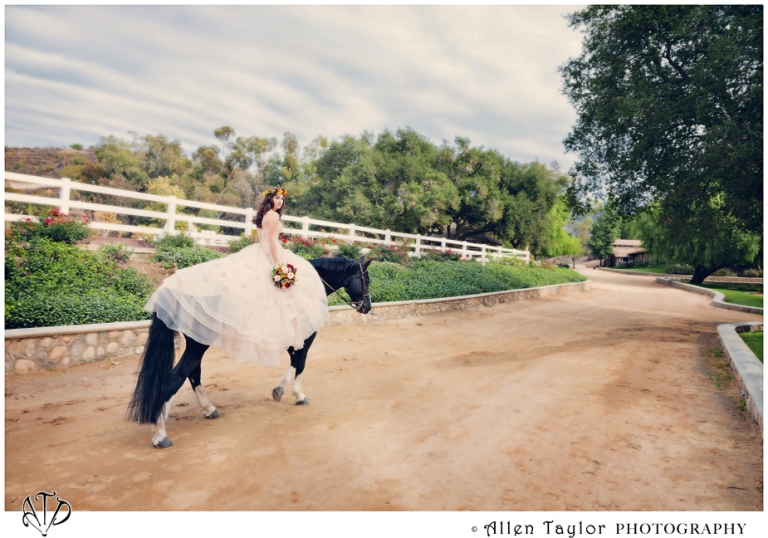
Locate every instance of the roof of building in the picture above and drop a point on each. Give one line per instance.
(627, 243)
(626, 252)
(483, 238)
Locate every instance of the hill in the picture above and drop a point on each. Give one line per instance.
(45, 162)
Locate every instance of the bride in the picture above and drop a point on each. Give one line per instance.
(233, 303)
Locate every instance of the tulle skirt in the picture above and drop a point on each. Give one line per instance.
(233, 303)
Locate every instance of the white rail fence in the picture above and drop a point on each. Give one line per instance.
(308, 228)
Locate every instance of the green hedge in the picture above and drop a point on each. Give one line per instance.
(180, 258)
(49, 284)
(429, 279)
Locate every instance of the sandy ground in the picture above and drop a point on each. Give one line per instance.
(592, 401)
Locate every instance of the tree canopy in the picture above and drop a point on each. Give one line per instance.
(670, 103)
(397, 180)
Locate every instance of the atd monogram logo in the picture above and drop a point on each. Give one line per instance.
(32, 516)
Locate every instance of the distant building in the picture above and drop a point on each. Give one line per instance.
(626, 251)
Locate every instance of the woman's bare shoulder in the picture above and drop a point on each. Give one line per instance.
(270, 216)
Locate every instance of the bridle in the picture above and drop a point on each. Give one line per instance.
(357, 305)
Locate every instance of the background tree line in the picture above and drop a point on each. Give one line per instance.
(396, 180)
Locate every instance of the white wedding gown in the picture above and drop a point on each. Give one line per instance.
(232, 303)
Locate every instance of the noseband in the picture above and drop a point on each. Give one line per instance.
(357, 305)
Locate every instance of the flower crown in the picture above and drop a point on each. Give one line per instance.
(276, 190)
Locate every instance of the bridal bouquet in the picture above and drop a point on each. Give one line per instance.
(284, 275)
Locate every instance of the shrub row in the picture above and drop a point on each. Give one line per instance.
(430, 279)
(49, 283)
(179, 251)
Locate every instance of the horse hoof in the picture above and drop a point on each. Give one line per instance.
(213, 415)
(163, 443)
(277, 393)
(305, 401)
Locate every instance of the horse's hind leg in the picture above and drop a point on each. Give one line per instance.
(189, 363)
(160, 438)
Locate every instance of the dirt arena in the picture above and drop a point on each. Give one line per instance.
(599, 400)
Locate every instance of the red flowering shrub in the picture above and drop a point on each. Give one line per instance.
(57, 226)
(397, 253)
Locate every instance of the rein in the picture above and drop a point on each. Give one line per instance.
(354, 304)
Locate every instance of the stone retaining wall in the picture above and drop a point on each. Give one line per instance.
(736, 281)
(718, 299)
(61, 347)
(747, 368)
(48, 348)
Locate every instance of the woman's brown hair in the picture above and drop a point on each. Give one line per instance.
(265, 206)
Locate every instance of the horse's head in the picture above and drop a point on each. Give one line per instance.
(352, 275)
(357, 286)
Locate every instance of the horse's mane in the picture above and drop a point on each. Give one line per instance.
(338, 264)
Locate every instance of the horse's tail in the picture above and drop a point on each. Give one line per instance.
(154, 380)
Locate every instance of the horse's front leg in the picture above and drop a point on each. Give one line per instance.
(209, 411)
(298, 362)
(278, 391)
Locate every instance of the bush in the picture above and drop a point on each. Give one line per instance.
(429, 279)
(724, 272)
(752, 273)
(397, 253)
(56, 226)
(116, 252)
(679, 270)
(49, 283)
(179, 258)
(45, 310)
(441, 255)
(240, 244)
(179, 251)
(168, 241)
(349, 250)
(306, 248)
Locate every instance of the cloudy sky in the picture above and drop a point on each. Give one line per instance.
(489, 73)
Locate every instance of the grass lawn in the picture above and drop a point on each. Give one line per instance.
(755, 342)
(661, 269)
(737, 296)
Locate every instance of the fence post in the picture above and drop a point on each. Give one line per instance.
(442, 243)
(482, 250)
(170, 222)
(417, 246)
(464, 249)
(64, 194)
(248, 222)
(352, 233)
(387, 237)
(305, 227)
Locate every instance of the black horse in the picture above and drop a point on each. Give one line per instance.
(159, 380)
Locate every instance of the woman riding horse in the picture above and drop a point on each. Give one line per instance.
(240, 303)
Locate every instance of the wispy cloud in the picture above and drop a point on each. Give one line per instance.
(75, 74)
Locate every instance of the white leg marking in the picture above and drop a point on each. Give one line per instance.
(160, 433)
(205, 405)
(287, 377)
(297, 389)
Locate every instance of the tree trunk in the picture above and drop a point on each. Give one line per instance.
(701, 272)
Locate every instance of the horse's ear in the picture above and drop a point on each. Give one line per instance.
(366, 264)
(361, 260)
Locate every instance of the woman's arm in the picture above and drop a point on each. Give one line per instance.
(273, 222)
